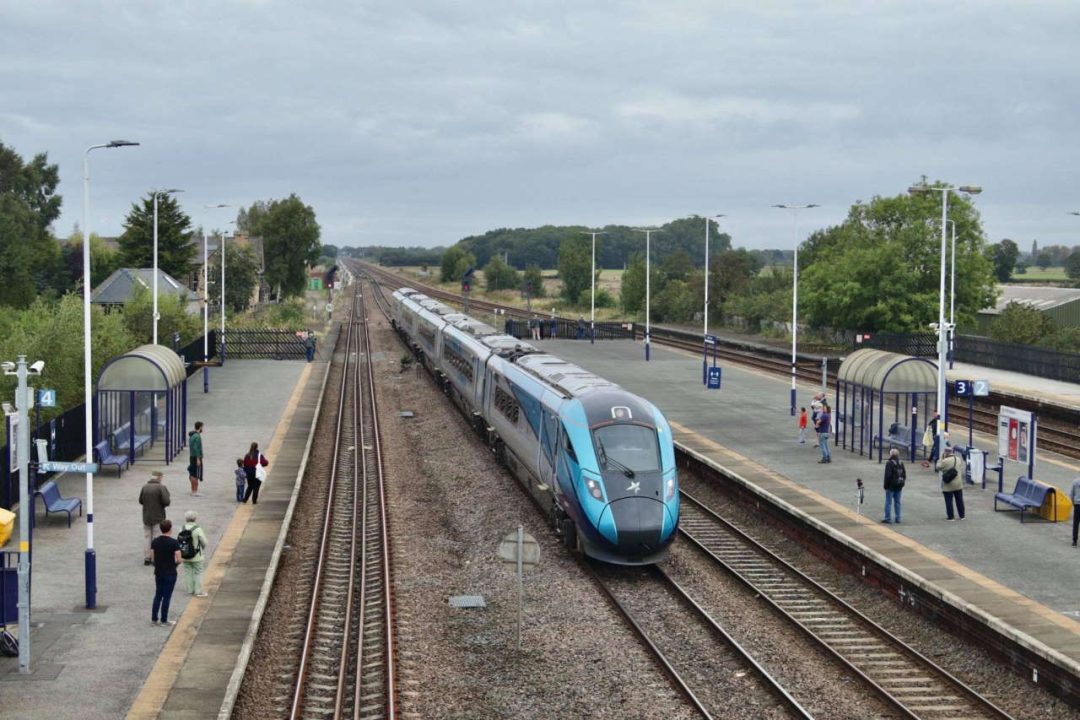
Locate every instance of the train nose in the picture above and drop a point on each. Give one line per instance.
(639, 522)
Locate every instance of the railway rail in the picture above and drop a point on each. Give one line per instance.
(899, 674)
(1061, 436)
(347, 660)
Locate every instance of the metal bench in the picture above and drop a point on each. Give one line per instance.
(1027, 494)
(899, 436)
(104, 456)
(122, 437)
(50, 495)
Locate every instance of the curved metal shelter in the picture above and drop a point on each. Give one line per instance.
(878, 396)
(141, 398)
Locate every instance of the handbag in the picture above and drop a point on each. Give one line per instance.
(927, 437)
(260, 473)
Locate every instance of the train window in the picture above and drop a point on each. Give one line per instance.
(567, 445)
(631, 446)
(548, 438)
(507, 405)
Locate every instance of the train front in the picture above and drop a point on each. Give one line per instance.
(629, 488)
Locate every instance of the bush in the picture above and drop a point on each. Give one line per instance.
(604, 299)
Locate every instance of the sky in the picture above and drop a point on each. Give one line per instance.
(419, 123)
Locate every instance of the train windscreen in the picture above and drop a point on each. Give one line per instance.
(633, 447)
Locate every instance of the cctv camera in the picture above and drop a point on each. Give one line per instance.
(9, 367)
(37, 367)
(8, 409)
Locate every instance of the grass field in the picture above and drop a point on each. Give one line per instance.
(1037, 273)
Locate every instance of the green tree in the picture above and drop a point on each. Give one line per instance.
(732, 273)
(677, 265)
(575, 266)
(1044, 260)
(290, 235)
(103, 259)
(248, 220)
(879, 269)
(176, 250)
(675, 303)
(1072, 265)
(455, 261)
(532, 282)
(139, 317)
(30, 261)
(1004, 256)
(241, 276)
(500, 276)
(1021, 323)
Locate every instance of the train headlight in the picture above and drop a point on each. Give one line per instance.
(594, 489)
(669, 488)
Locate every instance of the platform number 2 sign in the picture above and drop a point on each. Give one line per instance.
(969, 388)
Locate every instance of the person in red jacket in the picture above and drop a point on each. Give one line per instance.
(802, 426)
(253, 461)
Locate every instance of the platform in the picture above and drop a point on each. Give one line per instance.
(989, 560)
(91, 664)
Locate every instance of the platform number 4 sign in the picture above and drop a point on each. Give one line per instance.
(46, 398)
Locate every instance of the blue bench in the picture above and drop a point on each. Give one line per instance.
(50, 495)
(122, 439)
(899, 436)
(104, 456)
(1027, 494)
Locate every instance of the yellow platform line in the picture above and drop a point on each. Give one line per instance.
(159, 683)
(867, 524)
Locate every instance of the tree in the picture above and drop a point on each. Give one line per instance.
(675, 303)
(290, 235)
(1004, 256)
(532, 282)
(1072, 265)
(500, 276)
(175, 247)
(1021, 323)
(455, 261)
(1044, 260)
(139, 317)
(632, 292)
(879, 269)
(575, 267)
(30, 261)
(103, 259)
(248, 219)
(241, 276)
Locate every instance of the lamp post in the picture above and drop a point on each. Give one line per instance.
(206, 298)
(705, 330)
(26, 500)
(952, 296)
(942, 330)
(221, 341)
(592, 307)
(90, 564)
(794, 290)
(157, 194)
(648, 272)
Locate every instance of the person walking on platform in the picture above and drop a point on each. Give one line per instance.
(240, 475)
(154, 498)
(534, 328)
(1074, 494)
(581, 327)
(895, 477)
(802, 426)
(952, 483)
(309, 345)
(935, 449)
(823, 425)
(165, 554)
(194, 565)
(195, 457)
(252, 462)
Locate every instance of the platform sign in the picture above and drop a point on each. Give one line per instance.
(72, 467)
(1017, 436)
(714, 378)
(46, 397)
(982, 388)
(710, 340)
(964, 388)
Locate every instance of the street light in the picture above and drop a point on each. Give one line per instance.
(592, 308)
(221, 341)
(26, 500)
(705, 331)
(206, 299)
(157, 194)
(794, 290)
(942, 330)
(952, 297)
(648, 233)
(91, 559)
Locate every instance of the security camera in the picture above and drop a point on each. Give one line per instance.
(37, 367)
(9, 367)
(933, 326)
(8, 409)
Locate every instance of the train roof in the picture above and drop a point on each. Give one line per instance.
(475, 327)
(568, 378)
(506, 345)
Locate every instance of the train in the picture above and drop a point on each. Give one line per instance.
(598, 459)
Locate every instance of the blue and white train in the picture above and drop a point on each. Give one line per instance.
(600, 458)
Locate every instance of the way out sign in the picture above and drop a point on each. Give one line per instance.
(519, 548)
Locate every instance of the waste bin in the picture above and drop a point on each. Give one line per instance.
(7, 525)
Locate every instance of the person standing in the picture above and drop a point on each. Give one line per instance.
(252, 461)
(240, 475)
(1074, 494)
(165, 554)
(309, 345)
(802, 426)
(581, 327)
(935, 442)
(823, 425)
(154, 498)
(194, 565)
(895, 477)
(195, 458)
(952, 483)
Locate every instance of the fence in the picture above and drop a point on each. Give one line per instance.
(264, 345)
(1026, 359)
(566, 329)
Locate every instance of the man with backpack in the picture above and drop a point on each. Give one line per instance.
(895, 477)
(192, 542)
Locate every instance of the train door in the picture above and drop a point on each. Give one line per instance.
(549, 440)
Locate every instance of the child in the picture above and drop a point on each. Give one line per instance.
(241, 479)
(802, 426)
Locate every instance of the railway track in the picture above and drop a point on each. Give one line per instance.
(347, 663)
(716, 674)
(897, 673)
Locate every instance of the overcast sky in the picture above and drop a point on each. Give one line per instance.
(418, 123)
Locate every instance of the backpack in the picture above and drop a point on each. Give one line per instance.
(901, 475)
(187, 544)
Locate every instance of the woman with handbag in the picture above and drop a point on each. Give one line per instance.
(255, 466)
(952, 482)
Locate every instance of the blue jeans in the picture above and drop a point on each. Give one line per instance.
(309, 352)
(892, 502)
(240, 487)
(163, 594)
(823, 443)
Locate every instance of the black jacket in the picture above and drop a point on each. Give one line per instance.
(894, 470)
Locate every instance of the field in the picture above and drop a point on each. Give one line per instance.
(1037, 273)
